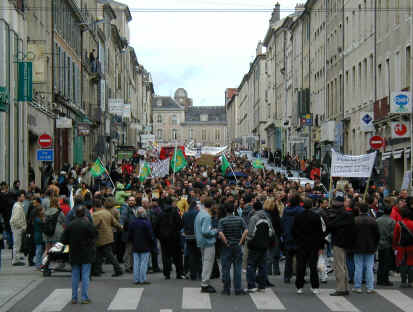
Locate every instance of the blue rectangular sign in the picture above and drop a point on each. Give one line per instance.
(45, 155)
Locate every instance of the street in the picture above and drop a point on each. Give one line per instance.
(53, 294)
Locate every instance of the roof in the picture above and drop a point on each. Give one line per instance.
(168, 103)
(216, 114)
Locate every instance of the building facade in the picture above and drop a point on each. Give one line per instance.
(335, 61)
(176, 121)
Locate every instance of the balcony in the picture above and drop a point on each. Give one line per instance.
(95, 70)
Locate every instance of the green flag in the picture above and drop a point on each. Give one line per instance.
(145, 172)
(224, 164)
(258, 164)
(97, 169)
(178, 161)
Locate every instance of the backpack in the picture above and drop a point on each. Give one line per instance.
(261, 235)
(49, 225)
(406, 236)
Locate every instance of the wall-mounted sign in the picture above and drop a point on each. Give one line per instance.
(83, 129)
(63, 123)
(45, 155)
(39, 61)
(366, 122)
(25, 86)
(400, 129)
(401, 103)
(116, 107)
(4, 99)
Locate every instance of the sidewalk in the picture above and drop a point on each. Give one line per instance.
(15, 281)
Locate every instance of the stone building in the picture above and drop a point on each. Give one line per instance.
(176, 123)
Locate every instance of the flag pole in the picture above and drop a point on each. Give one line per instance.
(106, 170)
(236, 180)
(173, 169)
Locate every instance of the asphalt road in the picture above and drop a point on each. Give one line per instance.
(119, 294)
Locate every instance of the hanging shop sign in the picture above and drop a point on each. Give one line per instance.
(401, 103)
(25, 81)
(400, 129)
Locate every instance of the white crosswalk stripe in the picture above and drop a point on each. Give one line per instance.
(267, 300)
(130, 299)
(336, 303)
(126, 299)
(56, 301)
(193, 299)
(400, 300)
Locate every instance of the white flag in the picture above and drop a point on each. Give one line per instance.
(160, 168)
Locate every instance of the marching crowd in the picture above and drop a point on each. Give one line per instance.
(201, 217)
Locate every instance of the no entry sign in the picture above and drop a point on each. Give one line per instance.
(376, 142)
(45, 140)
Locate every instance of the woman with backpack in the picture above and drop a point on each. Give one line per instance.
(54, 224)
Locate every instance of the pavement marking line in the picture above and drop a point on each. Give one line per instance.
(166, 310)
(336, 303)
(267, 300)
(193, 299)
(56, 301)
(400, 300)
(126, 299)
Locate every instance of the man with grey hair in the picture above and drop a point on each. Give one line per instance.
(142, 238)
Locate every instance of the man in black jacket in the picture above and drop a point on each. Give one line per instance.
(80, 235)
(308, 235)
(365, 246)
(341, 226)
(168, 231)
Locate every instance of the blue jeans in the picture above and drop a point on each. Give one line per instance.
(76, 269)
(256, 259)
(38, 255)
(231, 256)
(364, 263)
(350, 266)
(140, 266)
(8, 236)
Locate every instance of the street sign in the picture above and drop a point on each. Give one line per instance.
(366, 121)
(376, 142)
(25, 86)
(45, 140)
(45, 155)
(400, 129)
(401, 103)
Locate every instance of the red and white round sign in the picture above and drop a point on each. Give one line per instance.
(376, 142)
(45, 140)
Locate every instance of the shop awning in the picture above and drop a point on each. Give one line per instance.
(398, 154)
(386, 155)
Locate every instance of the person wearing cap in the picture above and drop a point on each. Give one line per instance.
(340, 223)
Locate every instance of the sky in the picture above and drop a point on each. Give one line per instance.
(203, 52)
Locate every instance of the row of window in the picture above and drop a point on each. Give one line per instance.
(175, 134)
(174, 119)
(66, 75)
(67, 24)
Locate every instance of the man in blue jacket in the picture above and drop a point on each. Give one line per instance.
(290, 212)
(194, 254)
(205, 237)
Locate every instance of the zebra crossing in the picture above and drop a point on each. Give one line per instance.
(130, 299)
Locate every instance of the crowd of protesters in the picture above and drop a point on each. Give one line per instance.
(203, 221)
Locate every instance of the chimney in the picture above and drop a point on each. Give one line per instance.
(259, 48)
(275, 17)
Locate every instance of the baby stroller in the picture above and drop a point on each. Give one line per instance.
(58, 255)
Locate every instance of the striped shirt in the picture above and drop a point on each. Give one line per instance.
(232, 227)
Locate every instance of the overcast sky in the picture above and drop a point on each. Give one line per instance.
(205, 53)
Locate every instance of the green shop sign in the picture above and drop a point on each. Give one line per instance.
(4, 99)
(25, 87)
